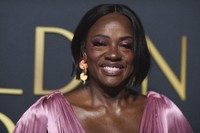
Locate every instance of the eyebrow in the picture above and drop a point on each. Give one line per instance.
(100, 35)
(121, 38)
(126, 37)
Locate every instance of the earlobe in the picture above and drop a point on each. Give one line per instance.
(84, 56)
(83, 62)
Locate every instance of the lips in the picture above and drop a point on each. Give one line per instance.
(112, 69)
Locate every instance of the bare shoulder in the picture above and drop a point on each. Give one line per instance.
(77, 97)
(137, 98)
(136, 101)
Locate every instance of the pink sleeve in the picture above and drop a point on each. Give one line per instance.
(34, 120)
(61, 117)
(161, 115)
(52, 113)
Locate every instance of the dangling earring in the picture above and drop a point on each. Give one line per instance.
(83, 75)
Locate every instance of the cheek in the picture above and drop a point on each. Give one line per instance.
(129, 57)
(93, 57)
(130, 61)
(93, 54)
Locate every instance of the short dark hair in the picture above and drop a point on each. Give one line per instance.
(141, 52)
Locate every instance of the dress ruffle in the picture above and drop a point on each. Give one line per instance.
(161, 115)
(53, 113)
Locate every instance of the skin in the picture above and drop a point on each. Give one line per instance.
(105, 105)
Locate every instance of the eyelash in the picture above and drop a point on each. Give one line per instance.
(127, 46)
(98, 43)
(101, 43)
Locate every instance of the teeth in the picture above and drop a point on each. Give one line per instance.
(111, 68)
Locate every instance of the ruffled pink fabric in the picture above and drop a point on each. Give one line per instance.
(54, 114)
(161, 115)
(51, 113)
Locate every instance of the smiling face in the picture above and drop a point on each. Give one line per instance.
(109, 49)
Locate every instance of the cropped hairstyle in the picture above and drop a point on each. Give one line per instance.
(141, 52)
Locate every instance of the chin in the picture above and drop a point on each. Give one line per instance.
(113, 84)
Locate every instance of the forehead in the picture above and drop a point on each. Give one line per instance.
(110, 23)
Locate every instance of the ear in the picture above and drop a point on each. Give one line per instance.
(84, 56)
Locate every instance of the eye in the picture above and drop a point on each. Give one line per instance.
(99, 43)
(127, 45)
(96, 43)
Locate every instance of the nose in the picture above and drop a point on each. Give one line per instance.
(113, 53)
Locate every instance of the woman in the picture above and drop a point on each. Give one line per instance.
(110, 55)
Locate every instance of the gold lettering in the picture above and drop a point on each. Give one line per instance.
(179, 85)
(7, 122)
(39, 60)
(11, 91)
(144, 86)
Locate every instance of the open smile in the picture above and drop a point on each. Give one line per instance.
(112, 69)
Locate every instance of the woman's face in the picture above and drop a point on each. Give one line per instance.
(109, 49)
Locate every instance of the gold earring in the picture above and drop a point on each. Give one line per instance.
(83, 75)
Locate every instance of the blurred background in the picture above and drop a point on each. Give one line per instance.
(35, 56)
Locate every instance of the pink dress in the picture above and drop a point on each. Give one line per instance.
(53, 113)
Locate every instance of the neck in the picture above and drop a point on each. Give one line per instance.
(107, 96)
